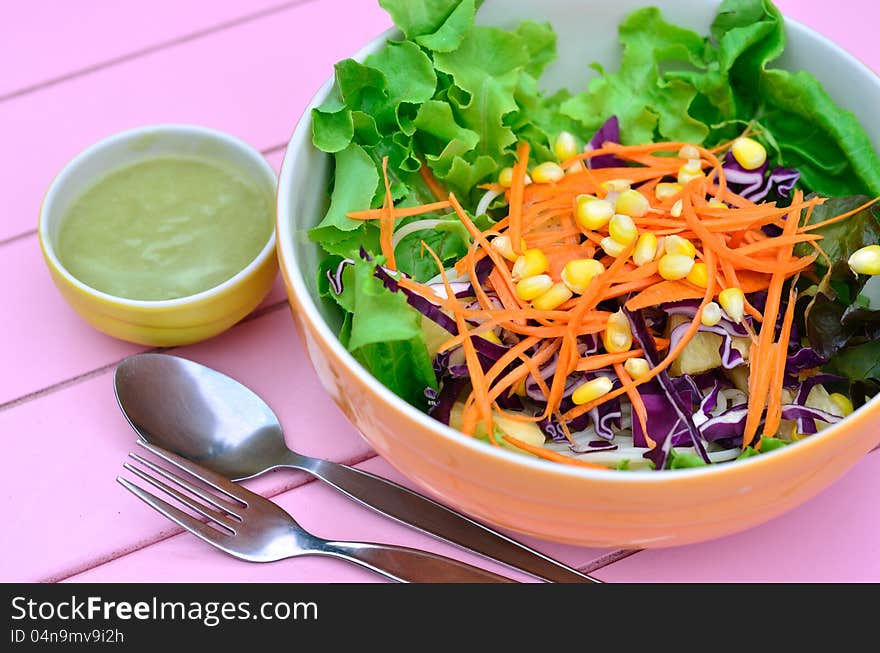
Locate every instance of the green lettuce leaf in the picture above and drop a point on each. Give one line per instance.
(448, 239)
(684, 460)
(647, 105)
(332, 126)
(422, 17)
(450, 34)
(842, 239)
(486, 66)
(355, 182)
(386, 335)
(858, 363)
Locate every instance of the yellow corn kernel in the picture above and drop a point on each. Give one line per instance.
(491, 336)
(565, 146)
(749, 153)
(699, 275)
(675, 244)
(664, 191)
(593, 213)
(617, 336)
(547, 173)
(527, 180)
(553, 298)
(622, 229)
(520, 388)
(733, 301)
(575, 168)
(532, 262)
(578, 273)
(674, 267)
(616, 185)
(503, 246)
(718, 204)
(505, 177)
(612, 247)
(637, 367)
(691, 170)
(689, 152)
(843, 402)
(866, 260)
(711, 314)
(676, 209)
(533, 287)
(592, 390)
(632, 203)
(661, 248)
(646, 249)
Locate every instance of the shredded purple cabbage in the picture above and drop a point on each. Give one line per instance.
(806, 422)
(757, 185)
(440, 405)
(659, 453)
(607, 133)
(335, 276)
(727, 426)
(731, 357)
(606, 418)
(804, 359)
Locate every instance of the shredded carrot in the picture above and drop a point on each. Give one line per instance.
(762, 367)
(841, 217)
(517, 187)
(774, 406)
(431, 181)
(548, 454)
(408, 212)
(730, 242)
(635, 399)
(386, 223)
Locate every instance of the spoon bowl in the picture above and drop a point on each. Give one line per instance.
(202, 415)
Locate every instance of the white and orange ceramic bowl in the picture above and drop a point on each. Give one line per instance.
(565, 503)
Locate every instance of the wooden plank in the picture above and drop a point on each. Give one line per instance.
(831, 538)
(44, 340)
(253, 81)
(60, 499)
(88, 33)
(322, 510)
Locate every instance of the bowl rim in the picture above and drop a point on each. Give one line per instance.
(178, 131)
(301, 137)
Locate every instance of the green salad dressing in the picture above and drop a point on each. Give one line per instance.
(165, 228)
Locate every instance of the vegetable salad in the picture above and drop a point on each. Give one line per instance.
(673, 268)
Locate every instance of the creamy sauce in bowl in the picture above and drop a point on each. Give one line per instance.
(165, 228)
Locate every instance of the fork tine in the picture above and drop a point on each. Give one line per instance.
(190, 523)
(215, 480)
(202, 493)
(203, 510)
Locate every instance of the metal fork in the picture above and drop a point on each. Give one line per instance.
(253, 528)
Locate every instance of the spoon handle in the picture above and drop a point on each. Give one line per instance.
(409, 565)
(427, 515)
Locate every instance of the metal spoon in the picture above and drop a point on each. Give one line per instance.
(215, 421)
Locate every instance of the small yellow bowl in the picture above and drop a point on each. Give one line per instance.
(170, 322)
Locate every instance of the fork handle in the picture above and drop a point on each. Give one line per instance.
(409, 565)
(429, 516)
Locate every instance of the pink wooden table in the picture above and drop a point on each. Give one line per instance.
(74, 72)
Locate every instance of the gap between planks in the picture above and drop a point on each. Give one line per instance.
(75, 571)
(91, 374)
(33, 232)
(600, 562)
(151, 49)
